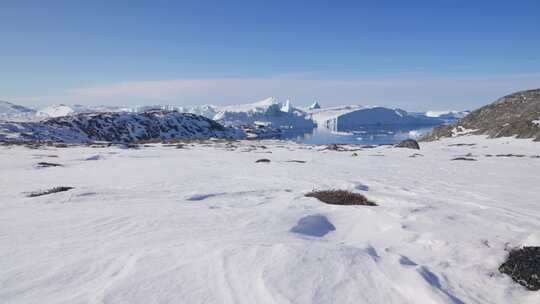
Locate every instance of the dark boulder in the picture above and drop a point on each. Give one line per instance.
(408, 143)
(523, 266)
(262, 160)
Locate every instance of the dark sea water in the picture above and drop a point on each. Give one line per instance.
(368, 135)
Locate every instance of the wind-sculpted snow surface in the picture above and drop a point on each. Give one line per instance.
(207, 224)
(118, 127)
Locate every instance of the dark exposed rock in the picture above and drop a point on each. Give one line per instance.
(523, 266)
(408, 143)
(333, 147)
(461, 145)
(341, 197)
(510, 155)
(118, 128)
(340, 148)
(49, 191)
(464, 158)
(517, 115)
(46, 164)
(260, 132)
(416, 155)
(262, 160)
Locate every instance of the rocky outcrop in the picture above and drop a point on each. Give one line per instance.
(118, 127)
(517, 115)
(523, 266)
(408, 143)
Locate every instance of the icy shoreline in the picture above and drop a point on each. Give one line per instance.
(204, 223)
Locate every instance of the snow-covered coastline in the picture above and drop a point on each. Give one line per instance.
(205, 223)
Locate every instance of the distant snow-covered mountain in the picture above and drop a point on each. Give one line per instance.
(60, 110)
(56, 111)
(13, 112)
(118, 127)
(447, 115)
(269, 113)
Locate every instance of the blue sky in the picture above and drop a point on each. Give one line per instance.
(417, 55)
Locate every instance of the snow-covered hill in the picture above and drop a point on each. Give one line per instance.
(512, 115)
(56, 111)
(60, 110)
(13, 112)
(118, 127)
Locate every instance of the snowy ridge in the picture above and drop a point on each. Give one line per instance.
(56, 111)
(13, 112)
(60, 110)
(447, 114)
(118, 127)
(269, 110)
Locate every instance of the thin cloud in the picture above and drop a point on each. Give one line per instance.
(412, 92)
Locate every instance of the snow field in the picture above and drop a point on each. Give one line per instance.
(206, 224)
